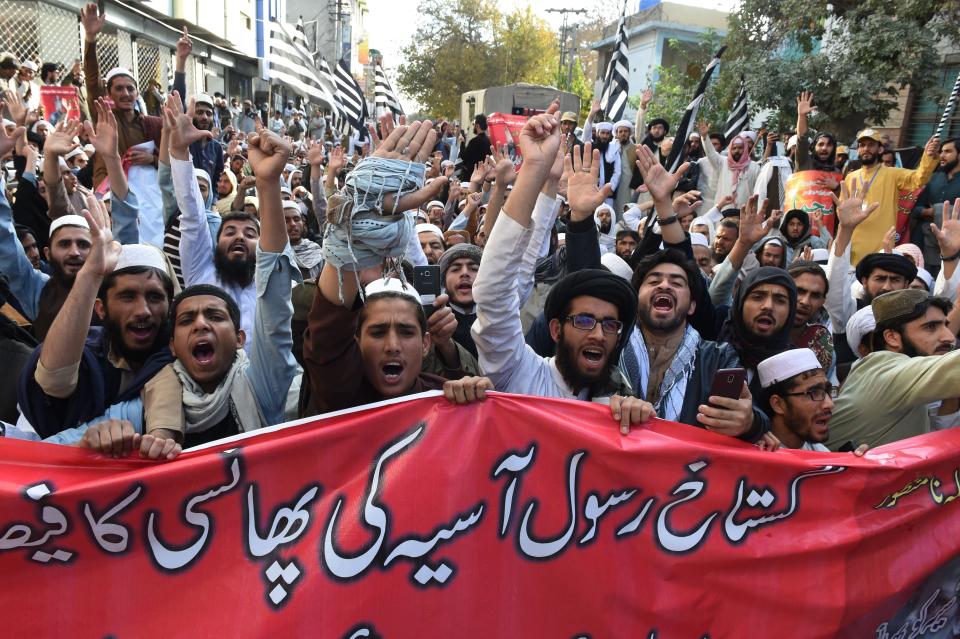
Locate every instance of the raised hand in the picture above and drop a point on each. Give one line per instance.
(889, 240)
(336, 161)
(411, 143)
(583, 191)
(480, 171)
(454, 193)
(595, 107)
(61, 140)
(704, 127)
(851, 210)
(9, 142)
(104, 137)
(646, 97)
(92, 21)
(932, 148)
(473, 202)
(659, 182)
(725, 201)
(105, 251)
(504, 170)
(687, 203)
(268, 153)
(315, 154)
(15, 105)
(180, 125)
(948, 234)
(184, 45)
(804, 103)
(752, 224)
(540, 138)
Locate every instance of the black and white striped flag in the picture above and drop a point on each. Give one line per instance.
(385, 98)
(948, 110)
(353, 104)
(616, 85)
(737, 120)
(689, 120)
(290, 63)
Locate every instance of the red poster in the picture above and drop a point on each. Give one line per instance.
(504, 129)
(805, 192)
(515, 517)
(58, 102)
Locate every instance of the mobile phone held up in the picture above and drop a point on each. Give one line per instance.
(728, 382)
(426, 279)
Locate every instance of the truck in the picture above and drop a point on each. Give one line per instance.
(519, 99)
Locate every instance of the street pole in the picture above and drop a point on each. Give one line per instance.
(564, 32)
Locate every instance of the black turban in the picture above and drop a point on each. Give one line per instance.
(654, 122)
(603, 285)
(889, 262)
(751, 348)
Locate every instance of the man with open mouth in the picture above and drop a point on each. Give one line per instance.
(799, 399)
(669, 364)
(886, 397)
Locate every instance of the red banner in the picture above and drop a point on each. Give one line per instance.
(805, 192)
(504, 129)
(58, 102)
(515, 517)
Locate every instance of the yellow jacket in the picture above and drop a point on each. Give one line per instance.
(885, 189)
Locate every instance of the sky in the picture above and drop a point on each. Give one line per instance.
(391, 23)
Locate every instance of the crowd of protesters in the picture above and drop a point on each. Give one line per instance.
(181, 268)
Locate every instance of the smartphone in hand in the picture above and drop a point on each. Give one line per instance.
(426, 279)
(728, 382)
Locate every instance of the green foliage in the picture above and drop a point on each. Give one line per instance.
(464, 45)
(857, 60)
(578, 84)
(675, 85)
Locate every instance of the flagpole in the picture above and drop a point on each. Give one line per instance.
(948, 110)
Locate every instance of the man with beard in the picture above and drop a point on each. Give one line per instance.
(431, 241)
(40, 295)
(944, 186)
(207, 153)
(568, 126)
(770, 252)
(877, 273)
(477, 149)
(232, 264)
(877, 184)
(627, 241)
(736, 173)
(458, 270)
(824, 156)
(795, 229)
(761, 318)
(121, 87)
(588, 311)
(79, 371)
(886, 396)
(218, 389)
(811, 324)
(308, 253)
(667, 362)
(610, 161)
(723, 241)
(623, 132)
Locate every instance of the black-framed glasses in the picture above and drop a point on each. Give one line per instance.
(818, 393)
(585, 322)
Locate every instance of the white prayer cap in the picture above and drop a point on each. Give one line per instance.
(420, 214)
(429, 228)
(391, 284)
(603, 126)
(433, 203)
(89, 150)
(29, 64)
(792, 142)
(820, 256)
(622, 123)
(290, 204)
(601, 207)
(616, 265)
(140, 255)
(289, 168)
(924, 276)
(447, 163)
(286, 189)
(750, 134)
(859, 324)
(115, 71)
(203, 98)
(699, 239)
(68, 220)
(776, 241)
(785, 365)
(77, 151)
(62, 163)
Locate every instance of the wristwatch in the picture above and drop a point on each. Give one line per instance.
(668, 221)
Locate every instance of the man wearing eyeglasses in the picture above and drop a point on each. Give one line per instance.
(799, 399)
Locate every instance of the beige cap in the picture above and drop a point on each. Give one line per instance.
(869, 134)
(569, 116)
